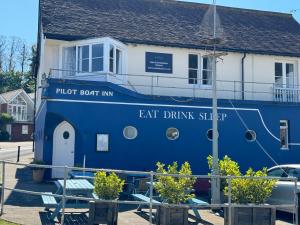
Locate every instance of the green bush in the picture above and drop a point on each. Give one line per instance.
(249, 190)
(5, 118)
(227, 167)
(4, 135)
(175, 190)
(108, 187)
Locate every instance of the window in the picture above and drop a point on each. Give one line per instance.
(102, 142)
(284, 143)
(83, 58)
(293, 172)
(277, 172)
(66, 135)
(284, 75)
(130, 132)
(250, 135)
(24, 129)
(207, 70)
(209, 134)
(193, 69)
(69, 61)
(111, 58)
(172, 133)
(18, 109)
(118, 61)
(97, 57)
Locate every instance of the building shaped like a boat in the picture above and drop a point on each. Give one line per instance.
(126, 83)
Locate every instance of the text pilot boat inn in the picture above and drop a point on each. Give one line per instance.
(124, 84)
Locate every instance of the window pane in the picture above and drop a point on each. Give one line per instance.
(276, 172)
(193, 61)
(85, 52)
(97, 50)
(193, 75)
(119, 61)
(111, 58)
(289, 75)
(206, 77)
(293, 172)
(172, 133)
(278, 74)
(111, 51)
(85, 65)
(97, 64)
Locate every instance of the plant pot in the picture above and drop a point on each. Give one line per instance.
(251, 216)
(38, 174)
(169, 215)
(103, 213)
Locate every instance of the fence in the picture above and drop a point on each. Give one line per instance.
(183, 86)
(152, 203)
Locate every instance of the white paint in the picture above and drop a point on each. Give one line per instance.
(63, 148)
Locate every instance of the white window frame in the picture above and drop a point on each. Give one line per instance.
(205, 85)
(286, 126)
(19, 108)
(199, 69)
(25, 129)
(284, 75)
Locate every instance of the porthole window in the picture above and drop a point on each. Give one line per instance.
(130, 132)
(66, 135)
(250, 135)
(172, 133)
(209, 134)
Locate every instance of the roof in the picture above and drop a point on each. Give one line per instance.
(8, 96)
(170, 23)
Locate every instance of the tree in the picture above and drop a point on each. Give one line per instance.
(3, 45)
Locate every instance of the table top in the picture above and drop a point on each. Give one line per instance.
(76, 184)
(81, 174)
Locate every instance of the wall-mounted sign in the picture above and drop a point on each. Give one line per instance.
(159, 62)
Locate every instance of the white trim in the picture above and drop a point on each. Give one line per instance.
(174, 106)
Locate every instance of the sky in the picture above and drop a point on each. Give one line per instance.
(20, 17)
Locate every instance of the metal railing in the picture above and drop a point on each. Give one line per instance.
(182, 86)
(151, 175)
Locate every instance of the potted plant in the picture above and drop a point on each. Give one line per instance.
(251, 192)
(174, 191)
(107, 187)
(38, 172)
(227, 167)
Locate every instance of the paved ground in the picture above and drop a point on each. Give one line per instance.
(27, 209)
(8, 150)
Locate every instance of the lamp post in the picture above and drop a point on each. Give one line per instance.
(215, 182)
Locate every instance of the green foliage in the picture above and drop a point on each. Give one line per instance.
(10, 81)
(175, 190)
(4, 135)
(5, 118)
(227, 167)
(108, 187)
(252, 190)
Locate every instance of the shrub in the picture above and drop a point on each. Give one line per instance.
(227, 167)
(5, 118)
(108, 187)
(175, 190)
(249, 190)
(4, 135)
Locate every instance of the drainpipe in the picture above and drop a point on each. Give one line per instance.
(243, 76)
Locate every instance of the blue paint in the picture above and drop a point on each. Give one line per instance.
(159, 62)
(109, 114)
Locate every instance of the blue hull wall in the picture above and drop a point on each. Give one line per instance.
(109, 113)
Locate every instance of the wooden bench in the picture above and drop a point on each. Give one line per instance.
(143, 198)
(49, 201)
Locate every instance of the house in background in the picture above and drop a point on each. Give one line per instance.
(20, 106)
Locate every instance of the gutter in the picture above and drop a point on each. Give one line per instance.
(243, 75)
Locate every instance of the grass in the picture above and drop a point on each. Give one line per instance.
(3, 222)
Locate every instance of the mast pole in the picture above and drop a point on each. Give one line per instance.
(215, 164)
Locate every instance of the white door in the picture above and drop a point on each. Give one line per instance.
(63, 148)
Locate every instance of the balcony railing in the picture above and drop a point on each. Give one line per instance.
(175, 86)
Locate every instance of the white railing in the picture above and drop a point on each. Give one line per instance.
(176, 86)
(286, 94)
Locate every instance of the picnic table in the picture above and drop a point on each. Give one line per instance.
(156, 199)
(74, 187)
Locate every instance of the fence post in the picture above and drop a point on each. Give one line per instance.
(151, 197)
(296, 203)
(3, 188)
(229, 201)
(18, 156)
(64, 195)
